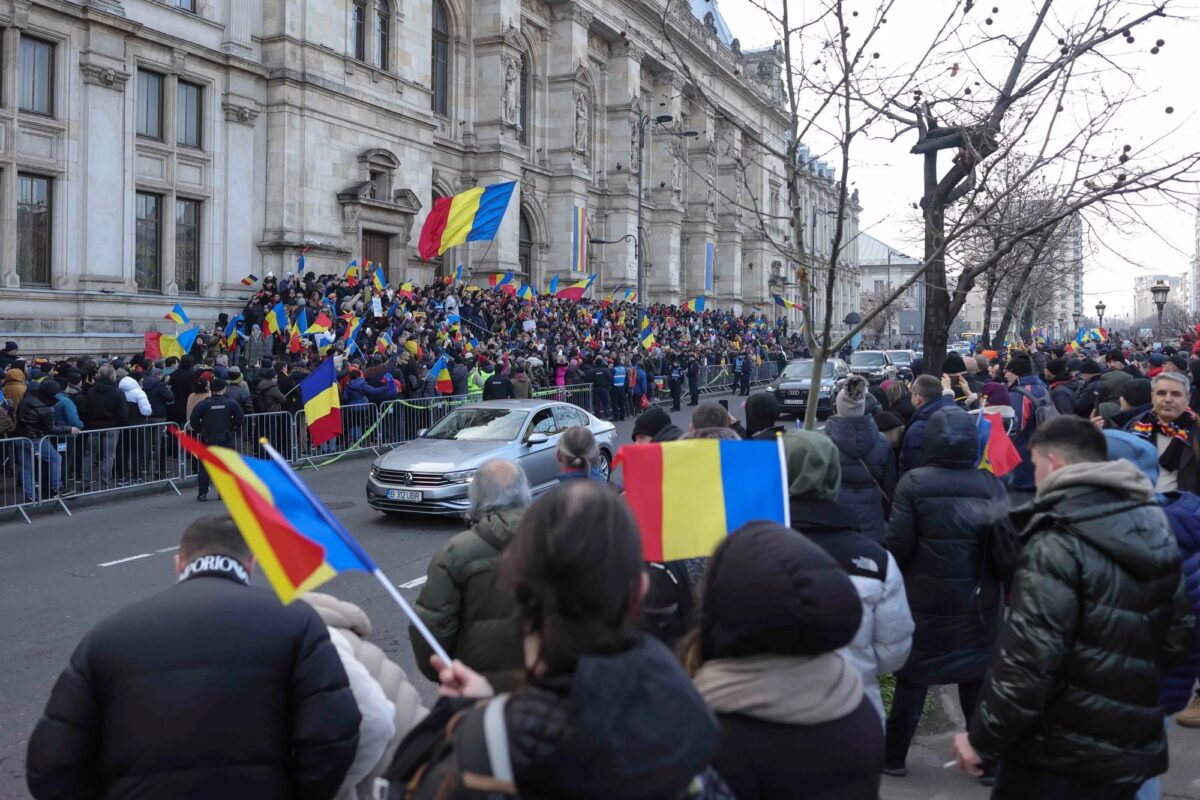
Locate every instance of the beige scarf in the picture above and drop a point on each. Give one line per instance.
(790, 690)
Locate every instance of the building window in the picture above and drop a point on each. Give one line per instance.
(186, 5)
(149, 104)
(37, 76)
(33, 229)
(358, 31)
(440, 71)
(147, 254)
(188, 114)
(383, 30)
(524, 244)
(524, 116)
(187, 245)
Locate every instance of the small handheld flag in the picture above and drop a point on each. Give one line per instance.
(646, 334)
(576, 290)
(319, 325)
(526, 292)
(500, 279)
(351, 274)
(688, 496)
(277, 321)
(696, 304)
(553, 289)
(177, 315)
(230, 333)
(997, 454)
(472, 216)
(377, 279)
(458, 273)
(322, 406)
(250, 280)
(300, 261)
(383, 343)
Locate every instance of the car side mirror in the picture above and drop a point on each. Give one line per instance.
(537, 438)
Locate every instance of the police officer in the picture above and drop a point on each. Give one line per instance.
(215, 420)
(747, 367)
(675, 380)
(693, 377)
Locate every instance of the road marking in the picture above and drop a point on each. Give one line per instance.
(415, 582)
(123, 560)
(168, 549)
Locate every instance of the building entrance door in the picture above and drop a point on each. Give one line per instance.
(375, 247)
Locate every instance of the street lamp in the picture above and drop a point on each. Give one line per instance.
(1062, 329)
(1076, 316)
(1100, 309)
(1160, 290)
(643, 121)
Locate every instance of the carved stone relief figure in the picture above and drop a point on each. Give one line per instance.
(582, 112)
(512, 91)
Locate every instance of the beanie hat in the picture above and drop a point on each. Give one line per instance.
(814, 465)
(1073, 364)
(651, 422)
(887, 421)
(267, 374)
(48, 390)
(1057, 367)
(768, 590)
(762, 410)
(852, 399)
(217, 385)
(1180, 361)
(1089, 367)
(997, 394)
(1020, 365)
(954, 364)
(1136, 392)
(1157, 359)
(1138, 451)
(11, 346)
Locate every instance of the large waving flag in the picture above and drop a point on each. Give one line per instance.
(277, 321)
(320, 325)
(646, 332)
(997, 454)
(378, 280)
(351, 274)
(441, 374)
(695, 304)
(499, 280)
(472, 216)
(576, 290)
(688, 496)
(230, 335)
(292, 540)
(526, 292)
(553, 288)
(783, 301)
(322, 406)
(177, 315)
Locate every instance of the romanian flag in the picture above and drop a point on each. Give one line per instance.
(470, 345)
(300, 261)
(646, 334)
(406, 291)
(296, 541)
(250, 280)
(377, 279)
(322, 407)
(579, 240)
(526, 292)
(441, 374)
(688, 496)
(352, 330)
(383, 343)
(695, 305)
(553, 288)
(783, 301)
(277, 321)
(997, 454)
(458, 273)
(498, 280)
(472, 216)
(296, 333)
(320, 325)
(575, 290)
(177, 315)
(162, 345)
(229, 335)
(351, 274)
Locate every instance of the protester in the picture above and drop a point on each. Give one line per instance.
(1173, 429)
(714, 415)
(945, 516)
(884, 638)
(607, 712)
(1031, 404)
(36, 419)
(207, 689)
(14, 384)
(653, 426)
(795, 721)
(868, 468)
(927, 398)
(237, 390)
(578, 456)
(1071, 703)
(462, 603)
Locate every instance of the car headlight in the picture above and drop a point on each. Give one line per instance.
(770, 388)
(374, 470)
(825, 390)
(462, 476)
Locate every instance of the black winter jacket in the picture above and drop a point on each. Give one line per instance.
(868, 471)
(942, 515)
(181, 382)
(159, 393)
(1098, 609)
(912, 451)
(105, 406)
(208, 689)
(35, 419)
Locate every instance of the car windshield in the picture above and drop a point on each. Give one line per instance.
(487, 424)
(867, 359)
(802, 370)
(900, 356)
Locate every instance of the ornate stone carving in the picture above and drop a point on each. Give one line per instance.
(677, 155)
(711, 166)
(539, 7)
(582, 116)
(107, 77)
(635, 155)
(512, 90)
(571, 11)
(241, 114)
(627, 49)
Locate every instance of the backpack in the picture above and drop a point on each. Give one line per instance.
(1043, 412)
(8, 417)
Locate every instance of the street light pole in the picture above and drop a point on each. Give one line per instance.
(1159, 291)
(637, 242)
(1100, 309)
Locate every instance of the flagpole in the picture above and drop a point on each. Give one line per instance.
(787, 505)
(340, 529)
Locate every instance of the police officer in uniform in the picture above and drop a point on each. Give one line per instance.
(675, 380)
(215, 420)
(693, 377)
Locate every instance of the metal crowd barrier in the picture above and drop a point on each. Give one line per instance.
(359, 431)
(277, 427)
(19, 487)
(402, 419)
(579, 394)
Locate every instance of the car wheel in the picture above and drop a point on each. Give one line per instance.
(605, 464)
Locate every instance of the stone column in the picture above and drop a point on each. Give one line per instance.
(10, 55)
(731, 215)
(236, 40)
(666, 180)
(624, 109)
(235, 231)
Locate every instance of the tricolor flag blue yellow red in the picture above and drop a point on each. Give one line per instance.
(177, 315)
(276, 321)
(997, 454)
(646, 332)
(471, 216)
(322, 406)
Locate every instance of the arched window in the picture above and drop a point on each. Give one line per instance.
(383, 31)
(440, 69)
(524, 112)
(358, 30)
(525, 246)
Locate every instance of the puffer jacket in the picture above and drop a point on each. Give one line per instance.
(35, 419)
(239, 392)
(884, 637)
(389, 704)
(942, 516)
(359, 393)
(912, 450)
(14, 386)
(1183, 512)
(1099, 607)
(135, 396)
(463, 604)
(159, 393)
(868, 471)
(267, 397)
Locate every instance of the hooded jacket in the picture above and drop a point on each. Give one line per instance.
(14, 386)
(237, 391)
(139, 403)
(868, 471)
(105, 406)
(912, 450)
(35, 418)
(884, 637)
(522, 387)
(267, 397)
(941, 519)
(359, 393)
(465, 607)
(159, 393)
(1098, 609)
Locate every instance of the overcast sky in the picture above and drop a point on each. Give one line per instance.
(889, 178)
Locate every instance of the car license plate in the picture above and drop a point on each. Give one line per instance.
(404, 495)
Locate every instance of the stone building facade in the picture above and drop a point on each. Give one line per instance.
(158, 151)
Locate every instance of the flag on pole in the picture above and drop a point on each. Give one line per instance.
(458, 273)
(351, 274)
(646, 334)
(277, 321)
(579, 240)
(783, 301)
(997, 454)
(576, 290)
(383, 343)
(441, 374)
(177, 315)
(405, 291)
(322, 407)
(229, 335)
(688, 496)
(526, 292)
(472, 216)
(250, 280)
(319, 325)
(499, 280)
(377, 279)
(696, 304)
(300, 262)
(553, 288)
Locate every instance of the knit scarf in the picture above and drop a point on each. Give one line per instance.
(1150, 428)
(790, 690)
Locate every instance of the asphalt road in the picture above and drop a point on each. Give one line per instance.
(62, 575)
